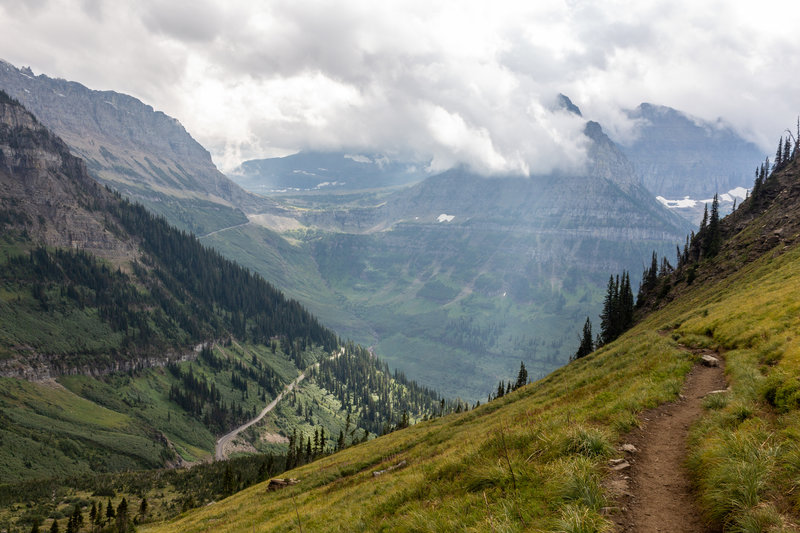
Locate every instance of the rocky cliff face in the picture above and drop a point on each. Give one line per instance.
(676, 155)
(141, 152)
(48, 192)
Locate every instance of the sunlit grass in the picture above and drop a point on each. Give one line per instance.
(533, 460)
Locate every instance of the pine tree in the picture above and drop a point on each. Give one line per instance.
(122, 516)
(607, 316)
(626, 303)
(787, 151)
(501, 390)
(713, 238)
(704, 222)
(587, 345)
(778, 156)
(110, 511)
(522, 376)
(35, 528)
(54, 527)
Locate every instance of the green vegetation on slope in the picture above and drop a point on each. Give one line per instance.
(535, 458)
(522, 462)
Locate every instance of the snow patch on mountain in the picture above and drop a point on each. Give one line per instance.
(738, 194)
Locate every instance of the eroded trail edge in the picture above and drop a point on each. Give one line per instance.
(654, 494)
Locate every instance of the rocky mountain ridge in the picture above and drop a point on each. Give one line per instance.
(677, 155)
(141, 152)
(40, 181)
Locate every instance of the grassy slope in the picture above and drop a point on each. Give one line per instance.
(745, 451)
(556, 434)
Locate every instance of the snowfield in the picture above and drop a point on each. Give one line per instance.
(739, 193)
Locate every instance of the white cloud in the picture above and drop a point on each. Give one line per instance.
(452, 82)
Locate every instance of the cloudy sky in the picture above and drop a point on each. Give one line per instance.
(456, 81)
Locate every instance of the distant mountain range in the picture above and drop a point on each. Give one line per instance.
(682, 160)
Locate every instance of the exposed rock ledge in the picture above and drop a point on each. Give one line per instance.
(38, 367)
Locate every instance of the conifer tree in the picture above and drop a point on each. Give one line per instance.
(587, 345)
(501, 390)
(713, 238)
(110, 514)
(787, 151)
(704, 222)
(607, 318)
(54, 527)
(778, 156)
(522, 376)
(122, 516)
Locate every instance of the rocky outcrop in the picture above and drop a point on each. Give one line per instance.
(48, 191)
(40, 367)
(133, 148)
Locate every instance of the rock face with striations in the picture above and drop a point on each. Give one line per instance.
(46, 190)
(676, 155)
(143, 153)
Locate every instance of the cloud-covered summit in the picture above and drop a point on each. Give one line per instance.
(449, 82)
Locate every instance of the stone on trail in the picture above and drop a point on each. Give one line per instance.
(621, 466)
(630, 448)
(709, 360)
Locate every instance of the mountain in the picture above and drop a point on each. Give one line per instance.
(460, 277)
(526, 269)
(307, 171)
(549, 457)
(145, 154)
(685, 160)
(126, 344)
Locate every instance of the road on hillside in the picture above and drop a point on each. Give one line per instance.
(223, 229)
(221, 454)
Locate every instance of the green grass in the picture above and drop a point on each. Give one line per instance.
(533, 460)
(512, 464)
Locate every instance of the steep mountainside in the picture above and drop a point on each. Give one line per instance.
(143, 153)
(126, 344)
(685, 160)
(540, 458)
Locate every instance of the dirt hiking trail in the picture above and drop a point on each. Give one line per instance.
(654, 494)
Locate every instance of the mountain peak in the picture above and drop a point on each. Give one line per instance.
(565, 103)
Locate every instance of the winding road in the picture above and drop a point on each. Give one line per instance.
(224, 441)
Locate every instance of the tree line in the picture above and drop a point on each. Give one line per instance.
(618, 307)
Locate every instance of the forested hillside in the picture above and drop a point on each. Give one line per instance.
(125, 344)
